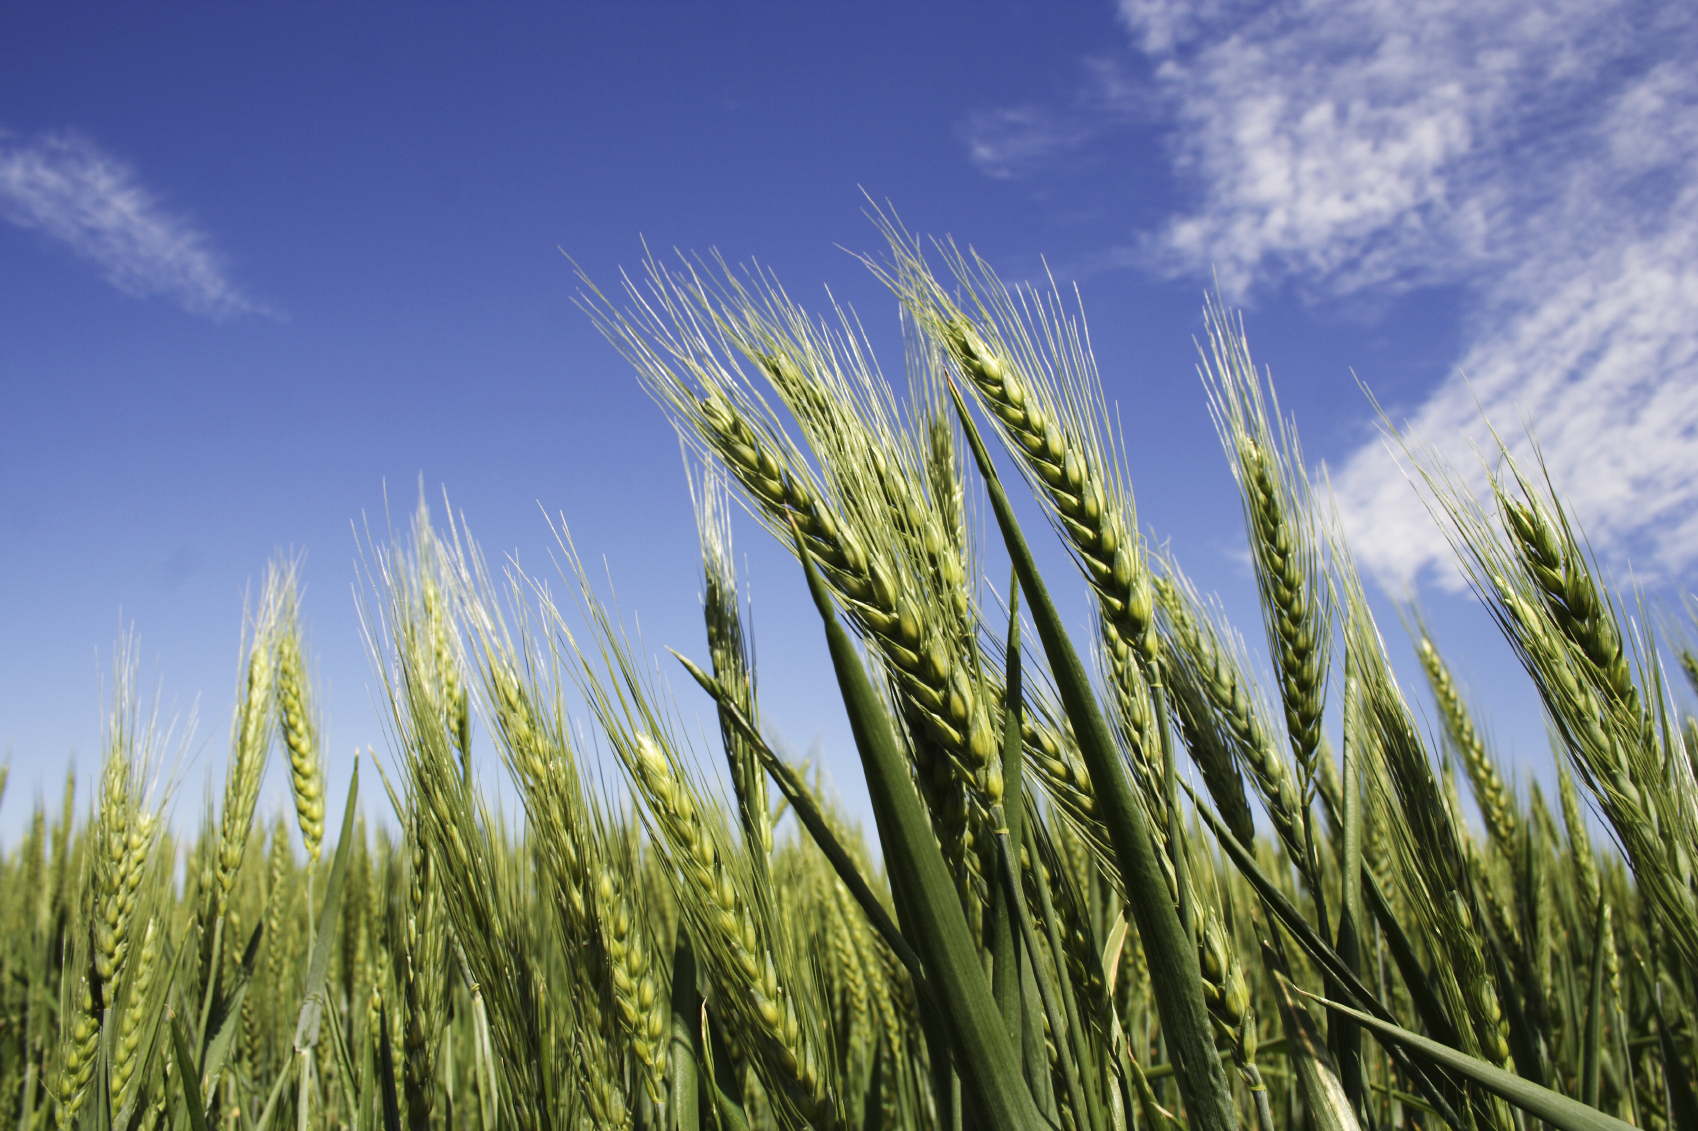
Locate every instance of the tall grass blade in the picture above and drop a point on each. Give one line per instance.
(271, 1100)
(226, 1017)
(1347, 1038)
(1170, 804)
(984, 1055)
(1174, 975)
(1280, 908)
(187, 1077)
(1330, 1107)
(796, 792)
(728, 1114)
(1066, 1035)
(1554, 1108)
(1592, 1043)
(1005, 947)
(343, 1072)
(386, 1074)
(1155, 1115)
(1075, 1031)
(684, 1108)
(1683, 1105)
(312, 1002)
(1099, 980)
(1427, 1003)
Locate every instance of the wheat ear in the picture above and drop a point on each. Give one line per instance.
(79, 1049)
(1542, 590)
(1497, 803)
(1208, 659)
(128, 1045)
(883, 543)
(592, 893)
(1033, 369)
(480, 888)
(125, 831)
(756, 998)
(732, 656)
(295, 721)
(250, 740)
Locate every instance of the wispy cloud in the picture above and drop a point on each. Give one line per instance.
(1006, 142)
(1600, 358)
(1542, 156)
(66, 187)
(1349, 144)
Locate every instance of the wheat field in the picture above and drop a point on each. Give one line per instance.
(1123, 884)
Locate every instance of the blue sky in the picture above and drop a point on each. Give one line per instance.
(263, 268)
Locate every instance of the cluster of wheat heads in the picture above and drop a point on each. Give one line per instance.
(1079, 920)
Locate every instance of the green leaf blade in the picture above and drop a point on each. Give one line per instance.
(984, 1055)
(1558, 1110)
(1174, 975)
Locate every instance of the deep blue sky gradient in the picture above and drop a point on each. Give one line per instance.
(395, 185)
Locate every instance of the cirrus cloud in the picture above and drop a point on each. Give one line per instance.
(1543, 158)
(69, 189)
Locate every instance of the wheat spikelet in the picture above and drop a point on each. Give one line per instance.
(1228, 996)
(124, 831)
(635, 990)
(548, 778)
(592, 889)
(118, 809)
(1529, 564)
(481, 890)
(79, 1046)
(732, 661)
(295, 721)
(280, 873)
(420, 580)
(1215, 698)
(728, 930)
(125, 1049)
(1268, 466)
(450, 686)
(1569, 593)
(422, 990)
(1062, 772)
(1497, 804)
(1541, 846)
(112, 893)
(250, 739)
(1581, 857)
(883, 477)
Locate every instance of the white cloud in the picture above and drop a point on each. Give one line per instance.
(65, 187)
(1543, 156)
(1603, 364)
